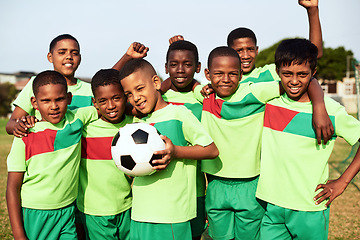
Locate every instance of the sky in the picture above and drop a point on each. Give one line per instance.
(105, 29)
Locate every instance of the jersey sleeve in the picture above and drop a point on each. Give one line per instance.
(23, 99)
(194, 132)
(16, 157)
(265, 91)
(197, 93)
(346, 126)
(86, 114)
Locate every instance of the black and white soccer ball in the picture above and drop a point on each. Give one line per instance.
(133, 148)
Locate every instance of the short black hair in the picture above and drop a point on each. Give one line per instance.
(135, 65)
(62, 37)
(183, 45)
(222, 51)
(105, 77)
(296, 51)
(240, 32)
(48, 77)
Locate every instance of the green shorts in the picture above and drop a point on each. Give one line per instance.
(198, 224)
(50, 224)
(160, 231)
(281, 223)
(233, 210)
(107, 227)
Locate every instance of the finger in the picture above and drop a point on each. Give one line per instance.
(326, 196)
(319, 186)
(319, 195)
(330, 201)
(318, 135)
(325, 135)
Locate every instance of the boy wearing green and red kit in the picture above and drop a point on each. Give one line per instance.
(105, 197)
(165, 202)
(294, 170)
(43, 166)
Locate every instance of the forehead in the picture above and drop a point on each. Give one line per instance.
(140, 77)
(181, 54)
(296, 67)
(65, 44)
(225, 62)
(108, 90)
(243, 43)
(51, 90)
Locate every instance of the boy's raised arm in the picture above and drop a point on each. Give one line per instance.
(136, 50)
(20, 122)
(315, 34)
(321, 121)
(13, 188)
(333, 188)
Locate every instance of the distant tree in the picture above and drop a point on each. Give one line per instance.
(332, 65)
(7, 95)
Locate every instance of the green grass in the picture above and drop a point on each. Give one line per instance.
(344, 212)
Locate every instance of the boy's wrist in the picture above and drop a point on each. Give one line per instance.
(313, 10)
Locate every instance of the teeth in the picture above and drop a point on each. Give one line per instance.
(68, 64)
(245, 63)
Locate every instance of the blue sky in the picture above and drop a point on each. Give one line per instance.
(106, 28)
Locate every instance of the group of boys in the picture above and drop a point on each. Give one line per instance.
(61, 170)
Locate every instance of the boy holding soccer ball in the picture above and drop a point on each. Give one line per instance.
(165, 202)
(43, 166)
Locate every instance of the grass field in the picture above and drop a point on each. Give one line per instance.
(344, 212)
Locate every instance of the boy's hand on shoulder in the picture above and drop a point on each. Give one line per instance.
(137, 50)
(175, 39)
(331, 190)
(207, 90)
(167, 154)
(308, 3)
(23, 124)
(323, 125)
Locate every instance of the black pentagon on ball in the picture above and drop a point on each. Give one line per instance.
(155, 157)
(140, 136)
(115, 139)
(127, 162)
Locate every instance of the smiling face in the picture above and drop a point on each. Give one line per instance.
(224, 75)
(52, 100)
(110, 101)
(65, 57)
(142, 90)
(295, 80)
(181, 67)
(247, 50)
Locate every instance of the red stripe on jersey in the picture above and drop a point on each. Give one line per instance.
(213, 105)
(98, 148)
(39, 142)
(277, 118)
(176, 103)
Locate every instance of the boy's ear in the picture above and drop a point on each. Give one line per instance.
(207, 74)
(166, 68)
(34, 103)
(49, 57)
(314, 72)
(157, 82)
(94, 103)
(69, 94)
(198, 67)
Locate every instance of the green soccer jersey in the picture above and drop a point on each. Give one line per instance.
(189, 101)
(81, 97)
(235, 124)
(292, 163)
(266, 73)
(50, 155)
(169, 196)
(103, 190)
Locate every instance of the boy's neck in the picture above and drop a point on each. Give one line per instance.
(188, 88)
(70, 80)
(160, 104)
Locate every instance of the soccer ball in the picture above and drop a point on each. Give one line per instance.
(133, 148)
